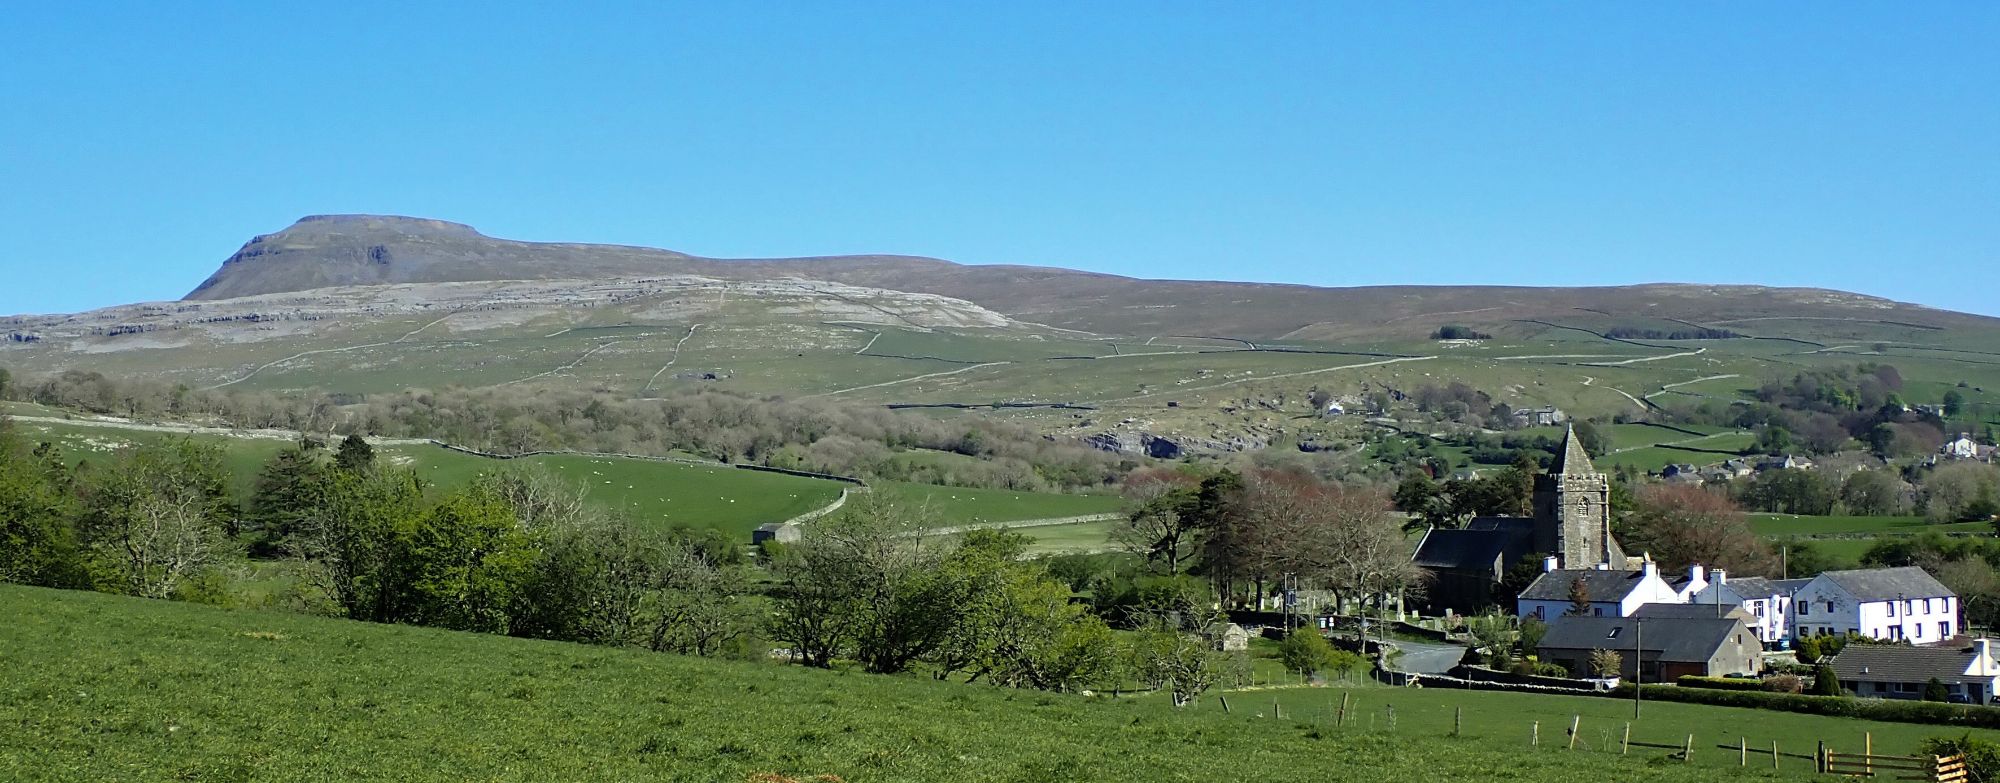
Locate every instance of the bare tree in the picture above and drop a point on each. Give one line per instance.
(154, 517)
(1682, 525)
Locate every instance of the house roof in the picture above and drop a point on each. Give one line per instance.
(1888, 584)
(1697, 611)
(1676, 639)
(1600, 585)
(1748, 587)
(1900, 663)
(1573, 461)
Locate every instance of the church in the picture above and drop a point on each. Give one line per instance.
(1571, 522)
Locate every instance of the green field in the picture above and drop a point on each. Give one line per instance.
(97, 687)
(963, 506)
(1796, 525)
(1085, 537)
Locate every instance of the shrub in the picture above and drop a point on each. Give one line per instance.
(1784, 683)
(1719, 683)
(1826, 683)
(1935, 691)
(1305, 652)
(1982, 757)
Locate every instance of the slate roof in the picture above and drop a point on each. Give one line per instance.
(1573, 461)
(1601, 585)
(1752, 586)
(1466, 549)
(1694, 611)
(1899, 663)
(1477, 545)
(1888, 584)
(1680, 640)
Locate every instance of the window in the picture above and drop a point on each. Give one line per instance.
(1805, 608)
(1597, 611)
(1906, 687)
(1910, 606)
(1944, 629)
(1614, 632)
(1895, 633)
(1918, 628)
(1829, 606)
(1892, 608)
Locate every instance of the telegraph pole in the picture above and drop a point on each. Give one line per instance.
(1638, 665)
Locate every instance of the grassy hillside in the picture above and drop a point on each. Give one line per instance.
(646, 491)
(98, 687)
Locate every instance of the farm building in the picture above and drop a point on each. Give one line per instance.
(1228, 637)
(781, 532)
(1658, 649)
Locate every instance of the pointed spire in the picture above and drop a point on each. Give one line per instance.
(1573, 461)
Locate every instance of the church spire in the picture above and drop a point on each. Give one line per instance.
(1573, 460)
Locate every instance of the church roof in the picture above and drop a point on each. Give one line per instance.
(1573, 461)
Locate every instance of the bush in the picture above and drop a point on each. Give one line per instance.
(1935, 691)
(1719, 683)
(1826, 683)
(1784, 683)
(1868, 709)
(1982, 757)
(1305, 652)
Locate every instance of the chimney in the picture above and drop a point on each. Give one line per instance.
(1650, 569)
(1550, 563)
(1718, 577)
(1695, 573)
(1982, 650)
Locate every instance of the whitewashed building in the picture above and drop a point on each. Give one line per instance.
(1610, 593)
(1768, 602)
(1892, 604)
(1969, 673)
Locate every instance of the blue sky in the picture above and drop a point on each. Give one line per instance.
(1854, 146)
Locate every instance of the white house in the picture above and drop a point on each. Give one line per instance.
(1892, 604)
(1970, 674)
(1609, 593)
(1767, 601)
(1962, 448)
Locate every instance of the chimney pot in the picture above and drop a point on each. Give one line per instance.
(1550, 563)
(1720, 577)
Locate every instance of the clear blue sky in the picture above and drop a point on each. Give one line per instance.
(1852, 146)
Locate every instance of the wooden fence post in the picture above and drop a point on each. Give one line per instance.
(1225, 703)
(1534, 734)
(1819, 758)
(1627, 744)
(1868, 753)
(1742, 752)
(1687, 755)
(1774, 755)
(1342, 717)
(1457, 721)
(1574, 721)
(1389, 716)
(1277, 710)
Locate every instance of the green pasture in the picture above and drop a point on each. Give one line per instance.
(1796, 525)
(1511, 718)
(98, 687)
(963, 506)
(1062, 539)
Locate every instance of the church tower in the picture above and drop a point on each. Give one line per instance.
(1573, 510)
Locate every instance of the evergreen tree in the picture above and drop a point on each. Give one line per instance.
(292, 487)
(1579, 597)
(1935, 691)
(1826, 683)
(355, 455)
